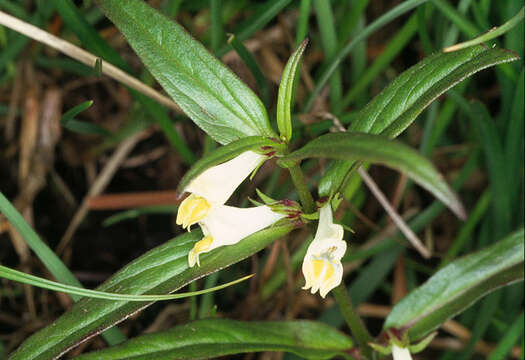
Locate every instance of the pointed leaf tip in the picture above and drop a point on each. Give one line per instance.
(284, 98)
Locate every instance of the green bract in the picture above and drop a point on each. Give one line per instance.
(284, 99)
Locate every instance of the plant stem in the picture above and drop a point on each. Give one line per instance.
(302, 189)
(353, 320)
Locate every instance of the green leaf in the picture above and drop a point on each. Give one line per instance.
(206, 90)
(399, 104)
(227, 152)
(71, 113)
(91, 39)
(218, 337)
(379, 149)
(458, 285)
(162, 270)
(284, 99)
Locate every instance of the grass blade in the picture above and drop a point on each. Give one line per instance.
(24, 278)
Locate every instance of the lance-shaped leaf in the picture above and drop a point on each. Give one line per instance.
(284, 99)
(160, 271)
(227, 152)
(208, 92)
(218, 337)
(458, 285)
(399, 104)
(379, 149)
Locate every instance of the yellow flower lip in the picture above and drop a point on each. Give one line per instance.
(203, 245)
(221, 224)
(200, 246)
(193, 209)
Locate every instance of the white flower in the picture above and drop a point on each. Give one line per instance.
(400, 353)
(221, 224)
(227, 225)
(214, 186)
(322, 267)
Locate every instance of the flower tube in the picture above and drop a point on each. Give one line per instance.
(227, 225)
(400, 353)
(214, 186)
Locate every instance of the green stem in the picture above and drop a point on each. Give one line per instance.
(353, 320)
(302, 189)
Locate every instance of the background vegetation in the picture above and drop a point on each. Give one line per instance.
(98, 184)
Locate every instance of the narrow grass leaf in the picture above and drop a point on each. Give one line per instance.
(69, 122)
(15, 275)
(44, 253)
(302, 23)
(466, 231)
(134, 213)
(496, 166)
(217, 33)
(51, 261)
(255, 69)
(262, 16)
(513, 141)
(392, 49)
(326, 24)
(459, 19)
(345, 51)
(511, 337)
(492, 34)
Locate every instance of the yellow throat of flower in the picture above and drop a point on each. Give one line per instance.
(320, 267)
(192, 210)
(200, 246)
